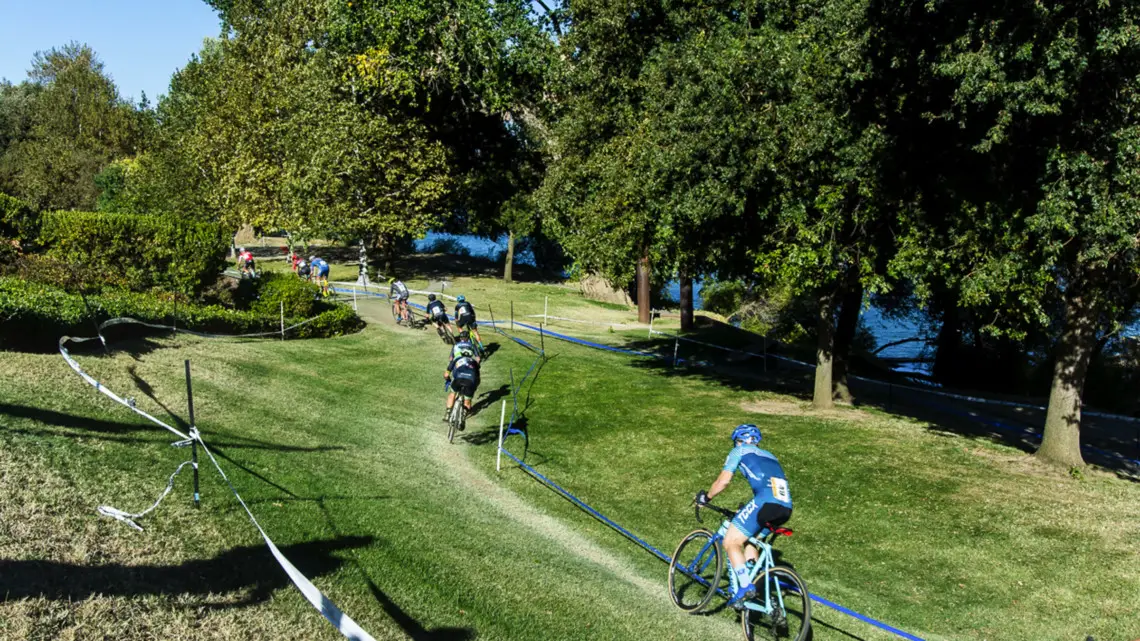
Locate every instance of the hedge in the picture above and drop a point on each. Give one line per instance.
(34, 316)
(151, 252)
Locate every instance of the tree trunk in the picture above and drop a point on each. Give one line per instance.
(643, 289)
(825, 351)
(948, 348)
(1061, 443)
(849, 312)
(508, 268)
(362, 278)
(686, 302)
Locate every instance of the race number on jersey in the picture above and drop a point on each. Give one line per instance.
(780, 489)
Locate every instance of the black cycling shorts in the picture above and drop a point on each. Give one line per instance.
(464, 381)
(466, 322)
(439, 318)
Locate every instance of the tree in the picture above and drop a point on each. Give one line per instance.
(1046, 96)
(79, 124)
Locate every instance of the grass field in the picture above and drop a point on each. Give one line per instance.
(338, 448)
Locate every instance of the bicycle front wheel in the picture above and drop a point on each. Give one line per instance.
(790, 619)
(694, 571)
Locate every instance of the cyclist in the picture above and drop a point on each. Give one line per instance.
(463, 346)
(465, 319)
(303, 269)
(399, 294)
(463, 372)
(245, 262)
(771, 503)
(320, 273)
(437, 313)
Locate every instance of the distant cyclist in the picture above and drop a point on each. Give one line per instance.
(245, 262)
(437, 313)
(463, 372)
(320, 273)
(771, 503)
(399, 294)
(465, 319)
(464, 346)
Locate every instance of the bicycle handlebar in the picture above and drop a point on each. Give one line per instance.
(715, 508)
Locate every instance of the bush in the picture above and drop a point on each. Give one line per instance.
(34, 316)
(19, 227)
(273, 289)
(152, 252)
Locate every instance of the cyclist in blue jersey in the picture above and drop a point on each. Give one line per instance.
(463, 373)
(465, 319)
(437, 313)
(771, 504)
(320, 273)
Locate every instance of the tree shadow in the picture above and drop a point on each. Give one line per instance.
(487, 399)
(446, 266)
(249, 569)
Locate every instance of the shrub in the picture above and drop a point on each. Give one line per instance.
(17, 220)
(34, 316)
(152, 252)
(273, 289)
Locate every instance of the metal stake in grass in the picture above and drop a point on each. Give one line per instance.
(512, 315)
(193, 435)
(282, 320)
(676, 345)
(499, 453)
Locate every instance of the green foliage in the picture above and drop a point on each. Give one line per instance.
(150, 251)
(18, 222)
(34, 316)
(70, 126)
(276, 288)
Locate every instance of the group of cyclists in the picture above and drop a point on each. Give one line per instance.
(462, 373)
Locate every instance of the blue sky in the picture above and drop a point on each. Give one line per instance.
(141, 42)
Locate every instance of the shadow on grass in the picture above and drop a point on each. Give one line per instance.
(1110, 444)
(249, 569)
(447, 266)
(103, 429)
(410, 626)
(487, 399)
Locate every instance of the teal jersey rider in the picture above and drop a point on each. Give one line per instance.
(762, 471)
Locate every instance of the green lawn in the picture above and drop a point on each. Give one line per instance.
(338, 448)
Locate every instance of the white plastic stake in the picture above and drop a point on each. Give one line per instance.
(651, 315)
(676, 344)
(354, 300)
(545, 312)
(499, 453)
(282, 320)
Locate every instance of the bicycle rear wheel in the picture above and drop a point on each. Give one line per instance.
(453, 420)
(791, 616)
(695, 570)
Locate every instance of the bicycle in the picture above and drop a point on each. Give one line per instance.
(782, 608)
(411, 320)
(444, 331)
(457, 418)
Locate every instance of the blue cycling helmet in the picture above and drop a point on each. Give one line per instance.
(461, 298)
(746, 432)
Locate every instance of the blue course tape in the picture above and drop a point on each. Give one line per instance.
(661, 555)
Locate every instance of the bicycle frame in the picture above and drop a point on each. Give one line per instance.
(765, 561)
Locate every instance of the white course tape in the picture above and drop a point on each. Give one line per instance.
(341, 621)
(129, 519)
